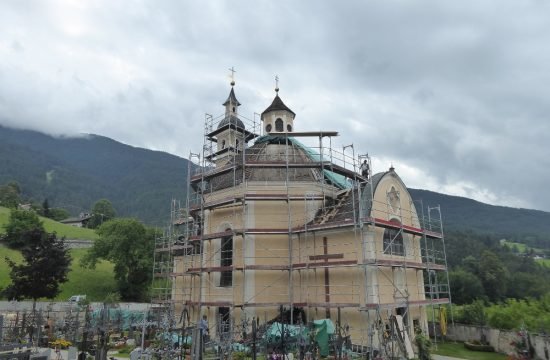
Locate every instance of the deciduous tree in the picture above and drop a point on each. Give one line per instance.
(465, 286)
(9, 195)
(102, 212)
(129, 245)
(20, 225)
(493, 275)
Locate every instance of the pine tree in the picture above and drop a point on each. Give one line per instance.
(45, 267)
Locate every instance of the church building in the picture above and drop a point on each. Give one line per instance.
(282, 231)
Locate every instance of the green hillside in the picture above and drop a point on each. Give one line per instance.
(96, 284)
(62, 230)
(531, 227)
(73, 173)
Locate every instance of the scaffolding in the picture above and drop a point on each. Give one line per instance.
(277, 224)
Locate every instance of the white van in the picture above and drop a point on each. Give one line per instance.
(77, 298)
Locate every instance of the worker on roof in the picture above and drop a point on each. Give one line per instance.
(365, 169)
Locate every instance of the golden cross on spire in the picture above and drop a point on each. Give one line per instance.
(233, 71)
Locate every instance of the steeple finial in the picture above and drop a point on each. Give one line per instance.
(277, 84)
(233, 71)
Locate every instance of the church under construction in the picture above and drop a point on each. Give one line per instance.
(277, 231)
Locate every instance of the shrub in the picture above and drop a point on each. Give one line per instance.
(60, 343)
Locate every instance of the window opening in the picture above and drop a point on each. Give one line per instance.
(279, 125)
(226, 259)
(393, 240)
(223, 320)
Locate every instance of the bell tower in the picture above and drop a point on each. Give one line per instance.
(278, 118)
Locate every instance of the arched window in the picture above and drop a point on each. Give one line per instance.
(223, 144)
(237, 143)
(226, 259)
(268, 128)
(289, 128)
(279, 125)
(393, 240)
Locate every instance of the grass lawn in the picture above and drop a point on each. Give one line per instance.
(4, 268)
(544, 262)
(68, 231)
(459, 351)
(521, 247)
(96, 284)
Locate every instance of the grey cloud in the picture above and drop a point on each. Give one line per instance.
(455, 90)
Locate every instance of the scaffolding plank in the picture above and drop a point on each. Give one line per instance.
(210, 236)
(264, 231)
(324, 264)
(427, 302)
(266, 267)
(333, 305)
(395, 263)
(214, 203)
(208, 173)
(209, 303)
(210, 269)
(433, 266)
(406, 228)
(285, 164)
(310, 133)
(256, 196)
(251, 197)
(325, 226)
(249, 135)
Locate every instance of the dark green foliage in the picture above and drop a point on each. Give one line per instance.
(129, 245)
(9, 195)
(20, 227)
(513, 314)
(45, 267)
(46, 208)
(102, 211)
(73, 173)
(493, 275)
(424, 345)
(502, 273)
(465, 286)
(59, 214)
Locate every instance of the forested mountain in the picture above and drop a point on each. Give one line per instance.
(459, 213)
(73, 173)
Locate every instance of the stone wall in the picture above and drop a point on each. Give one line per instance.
(500, 339)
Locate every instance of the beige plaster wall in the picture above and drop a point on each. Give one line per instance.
(347, 285)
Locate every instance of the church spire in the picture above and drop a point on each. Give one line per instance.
(231, 103)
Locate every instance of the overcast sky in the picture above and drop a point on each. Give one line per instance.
(453, 93)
